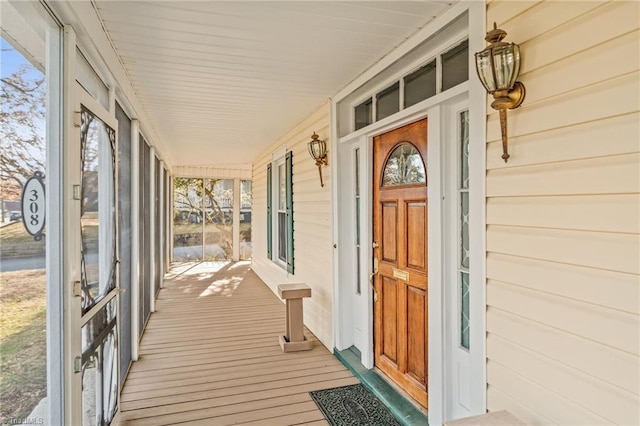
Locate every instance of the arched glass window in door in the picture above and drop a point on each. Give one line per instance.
(404, 167)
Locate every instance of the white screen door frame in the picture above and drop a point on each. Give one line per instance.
(106, 260)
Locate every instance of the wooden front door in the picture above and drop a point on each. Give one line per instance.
(400, 257)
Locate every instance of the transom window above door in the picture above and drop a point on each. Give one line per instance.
(448, 69)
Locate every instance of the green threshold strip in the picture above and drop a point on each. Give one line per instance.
(401, 408)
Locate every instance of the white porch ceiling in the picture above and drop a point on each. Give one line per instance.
(222, 80)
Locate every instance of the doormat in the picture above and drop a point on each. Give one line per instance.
(353, 405)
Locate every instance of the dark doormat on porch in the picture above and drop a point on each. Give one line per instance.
(352, 405)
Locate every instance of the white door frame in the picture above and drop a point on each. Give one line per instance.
(431, 108)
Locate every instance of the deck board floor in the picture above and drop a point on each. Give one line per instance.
(210, 356)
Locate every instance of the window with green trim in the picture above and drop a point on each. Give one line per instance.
(280, 212)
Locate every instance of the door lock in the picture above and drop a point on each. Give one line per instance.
(375, 245)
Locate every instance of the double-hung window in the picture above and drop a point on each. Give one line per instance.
(280, 211)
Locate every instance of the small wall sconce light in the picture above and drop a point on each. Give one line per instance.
(318, 151)
(498, 66)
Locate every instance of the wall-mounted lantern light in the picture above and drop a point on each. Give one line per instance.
(498, 66)
(318, 151)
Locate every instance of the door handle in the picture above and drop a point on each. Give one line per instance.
(371, 277)
(373, 287)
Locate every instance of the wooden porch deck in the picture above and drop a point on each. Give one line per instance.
(210, 356)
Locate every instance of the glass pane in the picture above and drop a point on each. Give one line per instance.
(358, 220)
(282, 236)
(145, 233)
(98, 325)
(358, 271)
(282, 185)
(357, 167)
(218, 207)
(100, 382)
(98, 218)
(167, 217)
(246, 203)
(464, 310)
(91, 82)
(464, 150)
(483, 61)
(187, 219)
(358, 245)
(420, 84)
(157, 226)
(99, 374)
(464, 229)
(455, 66)
(29, 116)
(363, 114)
(91, 414)
(404, 167)
(357, 178)
(109, 376)
(124, 235)
(507, 63)
(388, 101)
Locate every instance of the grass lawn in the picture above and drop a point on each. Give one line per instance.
(22, 342)
(14, 233)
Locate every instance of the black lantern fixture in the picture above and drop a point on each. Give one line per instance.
(318, 151)
(498, 66)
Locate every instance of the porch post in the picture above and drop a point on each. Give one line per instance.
(163, 214)
(236, 220)
(171, 203)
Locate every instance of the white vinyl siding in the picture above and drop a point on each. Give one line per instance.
(563, 218)
(312, 223)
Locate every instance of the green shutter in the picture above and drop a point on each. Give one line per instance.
(269, 213)
(289, 184)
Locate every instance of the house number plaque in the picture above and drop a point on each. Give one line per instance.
(401, 275)
(33, 205)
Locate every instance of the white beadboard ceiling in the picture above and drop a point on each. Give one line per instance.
(222, 80)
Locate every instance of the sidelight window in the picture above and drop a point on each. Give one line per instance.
(357, 203)
(463, 227)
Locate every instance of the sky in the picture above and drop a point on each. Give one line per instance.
(11, 60)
